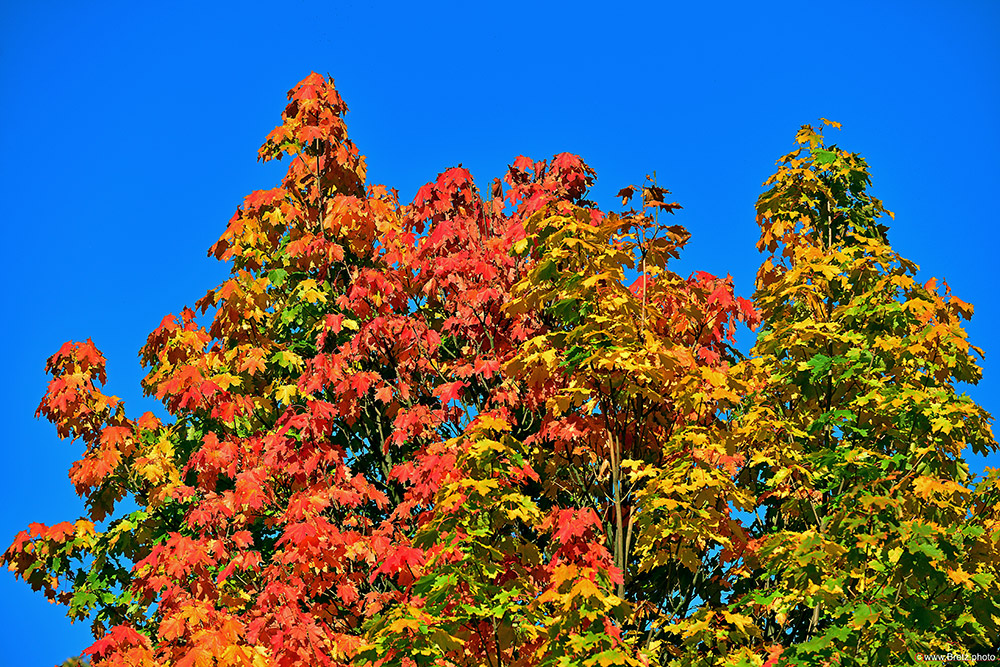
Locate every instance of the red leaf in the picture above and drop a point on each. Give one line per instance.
(450, 391)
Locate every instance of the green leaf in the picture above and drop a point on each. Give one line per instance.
(823, 157)
(547, 269)
(277, 277)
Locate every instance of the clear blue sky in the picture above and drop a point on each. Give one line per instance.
(130, 130)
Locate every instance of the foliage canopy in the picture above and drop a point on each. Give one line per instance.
(497, 429)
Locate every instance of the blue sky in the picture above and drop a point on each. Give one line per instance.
(130, 133)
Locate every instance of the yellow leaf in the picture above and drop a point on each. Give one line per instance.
(960, 577)
(236, 656)
(493, 423)
(563, 573)
(927, 487)
(714, 377)
(404, 624)
(310, 291)
(697, 626)
(941, 424)
(285, 393)
(739, 620)
(453, 500)
(583, 587)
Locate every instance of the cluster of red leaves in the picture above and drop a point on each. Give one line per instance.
(316, 421)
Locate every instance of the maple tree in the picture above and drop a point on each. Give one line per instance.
(870, 547)
(498, 430)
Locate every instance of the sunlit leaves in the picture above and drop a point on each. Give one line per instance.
(857, 427)
(501, 430)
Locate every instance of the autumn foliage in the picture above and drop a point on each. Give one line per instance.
(494, 428)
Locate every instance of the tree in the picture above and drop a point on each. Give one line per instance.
(871, 546)
(448, 433)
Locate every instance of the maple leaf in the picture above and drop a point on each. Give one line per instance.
(309, 133)
(959, 576)
(721, 296)
(626, 193)
(450, 391)
(522, 163)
